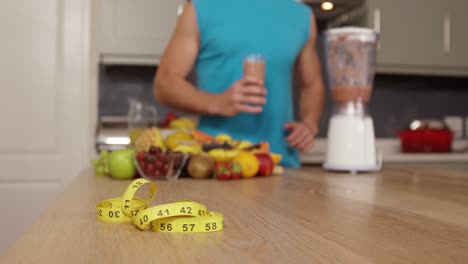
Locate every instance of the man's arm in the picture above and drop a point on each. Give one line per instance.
(309, 74)
(311, 96)
(171, 87)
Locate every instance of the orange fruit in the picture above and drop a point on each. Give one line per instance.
(276, 158)
(200, 136)
(265, 146)
(249, 164)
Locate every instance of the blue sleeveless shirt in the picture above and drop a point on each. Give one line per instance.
(230, 30)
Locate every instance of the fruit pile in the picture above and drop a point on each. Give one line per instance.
(189, 154)
(222, 157)
(246, 165)
(156, 163)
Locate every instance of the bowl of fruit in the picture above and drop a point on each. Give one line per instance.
(156, 164)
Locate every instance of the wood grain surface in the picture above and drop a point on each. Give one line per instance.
(400, 215)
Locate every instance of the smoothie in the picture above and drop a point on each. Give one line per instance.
(343, 94)
(254, 67)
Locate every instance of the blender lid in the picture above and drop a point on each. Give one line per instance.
(352, 33)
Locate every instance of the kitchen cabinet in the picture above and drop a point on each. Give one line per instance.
(409, 32)
(136, 32)
(420, 36)
(457, 32)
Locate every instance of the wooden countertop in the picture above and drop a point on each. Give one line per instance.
(401, 215)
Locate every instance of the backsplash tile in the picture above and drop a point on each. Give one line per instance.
(400, 99)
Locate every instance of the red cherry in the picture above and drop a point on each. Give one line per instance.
(150, 167)
(165, 169)
(159, 164)
(140, 156)
(162, 158)
(149, 158)
(157, 173)
(154, 150)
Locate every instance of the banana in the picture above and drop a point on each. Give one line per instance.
(182, 123)
(223, 138)
(150, 137)
(244, 144)
(193, 148)
(177, 138)
(222, 155)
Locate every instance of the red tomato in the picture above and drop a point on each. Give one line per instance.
(222, 171)
(236, 170)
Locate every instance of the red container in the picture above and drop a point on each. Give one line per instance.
(426, 140)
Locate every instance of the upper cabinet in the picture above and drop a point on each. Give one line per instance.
(456, 23)
(420, 36)
(408, 32)
(137, 31)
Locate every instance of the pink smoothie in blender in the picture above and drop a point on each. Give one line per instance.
(351, 57)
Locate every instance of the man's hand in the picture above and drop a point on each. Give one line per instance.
(301, 136)
(245, 95)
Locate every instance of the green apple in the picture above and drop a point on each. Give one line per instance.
(121, 164)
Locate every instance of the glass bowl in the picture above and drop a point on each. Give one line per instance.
(156, 164)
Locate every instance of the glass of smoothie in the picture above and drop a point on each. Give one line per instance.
(254, 67)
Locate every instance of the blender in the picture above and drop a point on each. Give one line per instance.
(351, 61)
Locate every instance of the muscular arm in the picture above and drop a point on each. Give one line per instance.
(308, 71)
(171, 87)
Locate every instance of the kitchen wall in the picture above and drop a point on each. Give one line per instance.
(119, 83)
(397, 99)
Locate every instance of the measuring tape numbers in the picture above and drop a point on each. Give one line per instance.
(179, 217)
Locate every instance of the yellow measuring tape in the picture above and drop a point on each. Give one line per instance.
(178, 217)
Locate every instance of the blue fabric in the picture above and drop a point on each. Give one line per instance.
(229, 31)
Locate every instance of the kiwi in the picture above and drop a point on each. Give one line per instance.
(201, 166)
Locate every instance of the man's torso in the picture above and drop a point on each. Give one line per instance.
(230, 30)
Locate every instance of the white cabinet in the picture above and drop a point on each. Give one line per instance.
(420, 36)
(137, 31)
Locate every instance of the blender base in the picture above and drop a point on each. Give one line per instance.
(355, 168)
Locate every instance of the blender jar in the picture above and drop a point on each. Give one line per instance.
(351, 62)
(351, 59)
